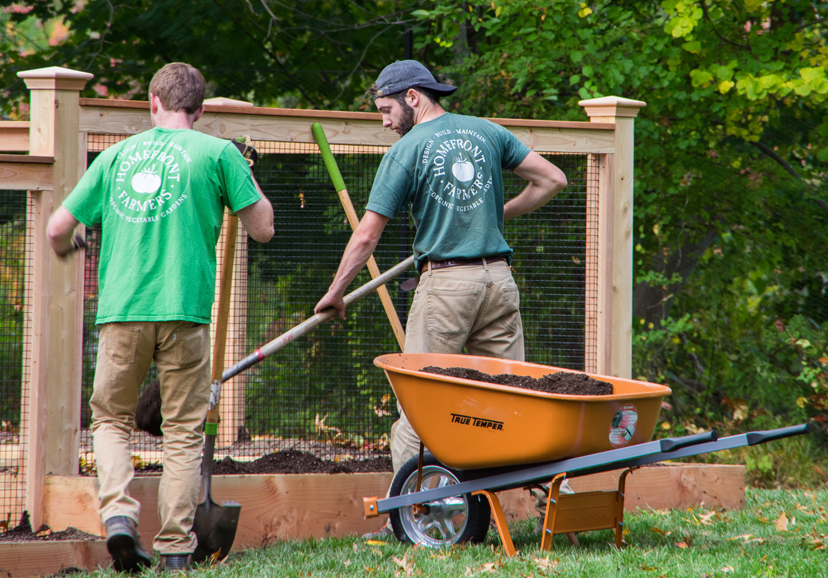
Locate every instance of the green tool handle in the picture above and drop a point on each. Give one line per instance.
(327, 156)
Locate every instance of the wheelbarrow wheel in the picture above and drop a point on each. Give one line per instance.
(454, 520)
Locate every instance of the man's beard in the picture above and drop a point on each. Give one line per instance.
(407, 121)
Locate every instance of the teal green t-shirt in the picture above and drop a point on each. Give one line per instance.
(450, 170)
(159, 197)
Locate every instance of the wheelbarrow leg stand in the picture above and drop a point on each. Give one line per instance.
(500, 521)
(584, 511)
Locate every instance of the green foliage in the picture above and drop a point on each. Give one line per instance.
(315, 54)
(730, 196)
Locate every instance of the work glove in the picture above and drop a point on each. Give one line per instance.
(246, 148)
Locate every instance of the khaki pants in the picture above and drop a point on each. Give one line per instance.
(180, 350)
(475, 306)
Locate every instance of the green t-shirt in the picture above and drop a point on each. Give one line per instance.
(450, 170)
(160, 198)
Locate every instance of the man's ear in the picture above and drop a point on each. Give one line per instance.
(153, 103)
(198, 113)
(413, 98)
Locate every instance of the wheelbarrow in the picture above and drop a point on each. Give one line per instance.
(483, 438)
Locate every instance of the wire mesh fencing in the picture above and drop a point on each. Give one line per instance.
(321, 393)
(15, 293)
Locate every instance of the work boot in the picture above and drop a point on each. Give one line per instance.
(175, 562)
(124, 545)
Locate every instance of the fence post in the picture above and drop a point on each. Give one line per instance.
(232, 408)
(51, 442)
(615, 235)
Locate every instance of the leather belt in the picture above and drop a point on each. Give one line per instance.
(459, 263)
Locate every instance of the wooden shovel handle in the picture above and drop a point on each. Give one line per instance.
(225, 289)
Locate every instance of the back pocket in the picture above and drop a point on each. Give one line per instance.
(121, 343)
(190, 344)
(451, 313)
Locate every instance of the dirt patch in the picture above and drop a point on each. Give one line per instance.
(291, 462)
(562, 382)
(23, 533)
(295, 462)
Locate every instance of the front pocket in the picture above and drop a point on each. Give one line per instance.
(122, 343)
(451, 313)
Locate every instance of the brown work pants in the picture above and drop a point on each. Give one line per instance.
(471, 306)
(181, 351)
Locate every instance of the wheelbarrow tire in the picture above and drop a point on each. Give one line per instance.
(455, 520)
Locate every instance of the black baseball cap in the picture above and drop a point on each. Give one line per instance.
(405, 74)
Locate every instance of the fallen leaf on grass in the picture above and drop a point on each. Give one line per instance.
(727, 569)
(681, 545)
(658, 530)
(705, 518)
(375, 543)
(546, 563)
(782, 523)
(407, 567)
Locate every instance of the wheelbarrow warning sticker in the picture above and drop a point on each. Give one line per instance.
(476, 422)
(623, 426)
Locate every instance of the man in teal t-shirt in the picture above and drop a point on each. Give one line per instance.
(448, 168)
(159, 197)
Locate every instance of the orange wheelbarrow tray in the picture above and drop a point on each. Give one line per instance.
(547, 434)
(470, 425)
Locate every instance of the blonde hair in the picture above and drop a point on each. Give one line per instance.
(179, 86)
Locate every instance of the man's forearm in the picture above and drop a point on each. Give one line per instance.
(60, 230)
(357, 253)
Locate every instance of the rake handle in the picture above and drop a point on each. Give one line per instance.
(353, 220)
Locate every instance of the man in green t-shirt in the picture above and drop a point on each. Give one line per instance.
(448, 168)
(159, 197)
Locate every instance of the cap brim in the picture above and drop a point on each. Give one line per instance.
(438, 87)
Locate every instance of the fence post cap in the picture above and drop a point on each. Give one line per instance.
(612, 106)
(55, 78)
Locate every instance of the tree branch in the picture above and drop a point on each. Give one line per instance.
(722, 38)
(772, 154)
(814, 23)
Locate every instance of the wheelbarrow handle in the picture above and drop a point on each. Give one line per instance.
(760, 437)
(673, 444)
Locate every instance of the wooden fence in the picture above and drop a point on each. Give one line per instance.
(63, 128)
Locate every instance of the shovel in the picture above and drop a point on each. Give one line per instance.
(214, 525)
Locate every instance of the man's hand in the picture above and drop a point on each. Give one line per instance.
(331, 300)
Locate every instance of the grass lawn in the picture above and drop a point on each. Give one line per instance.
(779, 533)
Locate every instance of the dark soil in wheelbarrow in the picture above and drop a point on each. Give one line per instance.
(562, 382)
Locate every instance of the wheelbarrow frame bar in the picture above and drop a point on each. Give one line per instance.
(641, 454)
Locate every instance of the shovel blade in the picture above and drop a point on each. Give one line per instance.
(215, 527)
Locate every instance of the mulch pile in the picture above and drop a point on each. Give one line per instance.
(23, 533)
(562, 382)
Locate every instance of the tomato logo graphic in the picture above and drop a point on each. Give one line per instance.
(146, 182)
(462, 170)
